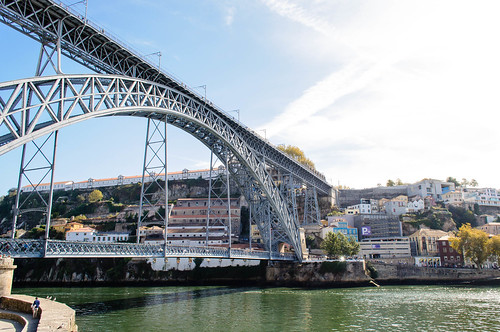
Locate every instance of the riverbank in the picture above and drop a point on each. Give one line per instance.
(128, 272)
(399, 274)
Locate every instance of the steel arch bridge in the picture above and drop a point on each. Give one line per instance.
(131, 86)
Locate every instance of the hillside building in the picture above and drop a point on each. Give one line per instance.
(449, 256)
(492, 228)
(377, 226)
(431, 187)
(124, 180)
(424, 242)
(385, 248)
(340, 227)
(196, 211)
(88, 234)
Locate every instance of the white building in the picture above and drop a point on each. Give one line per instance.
(395, 247)
(124, 180)
(88, 234)
(482, 196)
(430, 187)
(83, 234)
(364, 207)
(396, 206)
(416, 205)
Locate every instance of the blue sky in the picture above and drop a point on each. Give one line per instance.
(369, 90)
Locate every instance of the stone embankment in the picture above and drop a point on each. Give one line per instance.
(94, 272)
(397, 274)
(317, 274)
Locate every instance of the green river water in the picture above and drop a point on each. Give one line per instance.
(218, 308)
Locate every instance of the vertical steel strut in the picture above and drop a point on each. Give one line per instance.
(218, 186)
(29, 170)
(311, 208)
(153, 172)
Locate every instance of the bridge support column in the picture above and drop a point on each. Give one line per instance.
(6, 275)
(154, 178)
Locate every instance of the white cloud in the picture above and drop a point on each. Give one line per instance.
(297, 13)
(416, 98)
(229, 18)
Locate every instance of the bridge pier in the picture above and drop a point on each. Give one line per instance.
(7, 268)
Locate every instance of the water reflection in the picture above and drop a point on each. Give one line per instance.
(102, 307)
(391, 308)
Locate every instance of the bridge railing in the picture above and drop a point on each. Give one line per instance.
(29, 248)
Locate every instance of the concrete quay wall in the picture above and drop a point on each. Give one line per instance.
(317, 274)
(400, 273)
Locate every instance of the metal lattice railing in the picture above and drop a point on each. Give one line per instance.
(27, 248)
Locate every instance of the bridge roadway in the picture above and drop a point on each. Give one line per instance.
(27, 248)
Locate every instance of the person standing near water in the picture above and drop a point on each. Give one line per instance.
(35, 306)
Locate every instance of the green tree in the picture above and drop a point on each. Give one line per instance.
(399, 182)
(472, 243)
(297, 154)
(453, 180)
(473, 183)
(390, 183)
(494, 247)
(95, 196)
(338, 244)
(476, 209)
(462, 216)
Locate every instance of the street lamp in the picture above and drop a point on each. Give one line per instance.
(204, 87)
(86, 5)
(237, 111)
(159, 57)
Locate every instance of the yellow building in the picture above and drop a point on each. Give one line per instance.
(73, 226)
(424, 242)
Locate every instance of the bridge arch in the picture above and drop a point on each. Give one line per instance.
(33, 107)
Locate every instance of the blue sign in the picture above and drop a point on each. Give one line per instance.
(366, 230)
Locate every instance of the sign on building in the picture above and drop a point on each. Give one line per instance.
(366, 230)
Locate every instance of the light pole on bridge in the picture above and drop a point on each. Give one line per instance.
(236, 111)
(159, 58)
(204, 87)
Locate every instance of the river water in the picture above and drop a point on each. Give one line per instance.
(216, 308)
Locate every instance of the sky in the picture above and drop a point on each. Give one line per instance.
(369, 90)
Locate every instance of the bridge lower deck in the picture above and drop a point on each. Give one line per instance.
(21, 248)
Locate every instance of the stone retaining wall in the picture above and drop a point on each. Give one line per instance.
(401, 273)
(317, 274)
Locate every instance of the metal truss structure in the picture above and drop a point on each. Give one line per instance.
(311, 208)
(32, 108)
(154, 194)
(67, 249)
(38, 158)
(219, 187)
